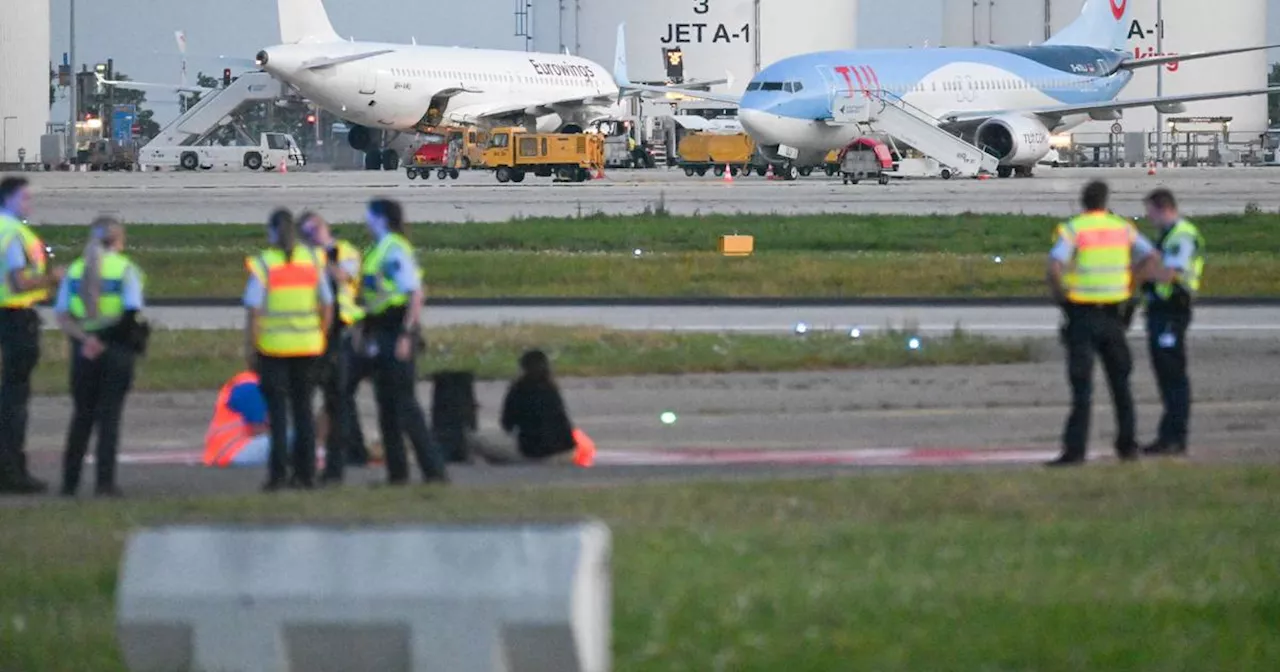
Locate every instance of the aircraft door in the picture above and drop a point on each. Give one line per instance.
(369, 81)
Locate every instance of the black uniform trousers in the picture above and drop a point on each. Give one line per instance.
(98, 391)
(400, 413)
(1166, 338)
(1097, 331)
(336, 371)
(19, 354)
(288, 386)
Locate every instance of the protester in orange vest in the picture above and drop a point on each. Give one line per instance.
(237, 436)
(534, 411)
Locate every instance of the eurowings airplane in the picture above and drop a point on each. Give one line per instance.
(406, 88)
(1005, 100)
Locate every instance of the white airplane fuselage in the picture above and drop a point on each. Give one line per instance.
(394, 91)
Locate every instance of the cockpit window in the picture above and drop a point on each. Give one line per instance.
(753, 86)
(793, 87)
(771, 86)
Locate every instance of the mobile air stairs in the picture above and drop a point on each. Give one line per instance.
(195, 138)
(883, 112)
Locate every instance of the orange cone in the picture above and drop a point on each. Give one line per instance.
(768, 173)
(584, 452)
(283, 168)
(599, 172)
(1152, 169)
(728, 173)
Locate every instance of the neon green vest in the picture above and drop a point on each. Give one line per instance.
(110, 293)
(37, 263)
(1100, 272)
(378, 290)
(1183, 232)
(290, 325)
(348, 310)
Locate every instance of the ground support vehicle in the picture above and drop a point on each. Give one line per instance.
(569, 157)
(432, 156)
(272, 150)
(700, 153)
(865, 159)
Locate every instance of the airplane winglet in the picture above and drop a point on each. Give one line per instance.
(620, 58)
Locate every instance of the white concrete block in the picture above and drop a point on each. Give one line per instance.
(491, 598)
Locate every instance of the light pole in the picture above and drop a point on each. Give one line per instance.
(1159, 80)
(4, 148)
(72, 134)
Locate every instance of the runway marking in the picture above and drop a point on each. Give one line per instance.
(905, 457)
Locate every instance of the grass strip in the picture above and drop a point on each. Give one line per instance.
(803, 256)
(198, 360)
(1157, 567)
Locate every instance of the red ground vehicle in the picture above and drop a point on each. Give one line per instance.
(866, 158)
(432, 154)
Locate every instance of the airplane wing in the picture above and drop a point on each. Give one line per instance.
(328, 62)
(470, 114)
(1064, 110)
(1178, 58)
(145, 86)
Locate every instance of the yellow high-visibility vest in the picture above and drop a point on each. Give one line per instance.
(37, 264)
(110, 294)
(290, 324)
(1183, 232)
(378, 290)
(349, 311)
(1100, 272)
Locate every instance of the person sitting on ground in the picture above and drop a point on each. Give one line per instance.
(237, 436)
(534, 411)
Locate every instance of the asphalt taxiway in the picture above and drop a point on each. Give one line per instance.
(1244, 321)
(240, 197)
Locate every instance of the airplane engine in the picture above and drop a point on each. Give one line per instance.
(360, 138)
(1015, 140)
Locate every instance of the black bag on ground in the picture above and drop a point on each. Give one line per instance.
(453, 412)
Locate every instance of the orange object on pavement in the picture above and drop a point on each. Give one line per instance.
(228, 433)
(584, 451)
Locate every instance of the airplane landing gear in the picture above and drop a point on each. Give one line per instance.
(1004, 171)
(382, 159)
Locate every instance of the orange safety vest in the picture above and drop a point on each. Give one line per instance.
(228, 433)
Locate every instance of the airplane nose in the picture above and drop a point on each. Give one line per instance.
(761, 125)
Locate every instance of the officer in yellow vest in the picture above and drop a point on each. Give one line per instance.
(1169, 297)
(392, 293)
(290, 305)
(1091, 275)
(97, 307)
(26, 278)
(340, 372)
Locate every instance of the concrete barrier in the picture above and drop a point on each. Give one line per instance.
(494, 598)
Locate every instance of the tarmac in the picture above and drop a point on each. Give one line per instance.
(243, 197)
(742, 426)
(1258, 321)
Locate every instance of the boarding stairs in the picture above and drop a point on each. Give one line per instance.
(883, 112)
(215, 108)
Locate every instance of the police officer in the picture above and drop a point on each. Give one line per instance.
(1091, 270)
(392, 293)
(290, 306)
(25, 280)
(97, 307)
(1169, 298)
(345, 443)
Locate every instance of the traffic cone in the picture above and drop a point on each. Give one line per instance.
(599, 172)
(1151, 170)
(283, 168)
(584, 451)
(728, 174)
(768, 173)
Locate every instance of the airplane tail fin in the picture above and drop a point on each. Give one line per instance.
(305, 21)
(1102, 23)
(620, 58)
